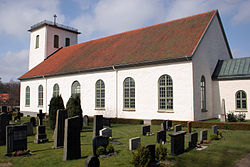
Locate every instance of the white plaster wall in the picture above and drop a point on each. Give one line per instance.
(227, 90)
(36, 55)
(146, 82)
(211, 48)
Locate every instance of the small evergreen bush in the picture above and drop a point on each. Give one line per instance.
(110, 149)
(141, 157)
(241, 117)
(74, 108)
(55, 104)
(231, 117)
(214, 136)
(161, 152)
(100, 151)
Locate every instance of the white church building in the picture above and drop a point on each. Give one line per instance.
(177, 70)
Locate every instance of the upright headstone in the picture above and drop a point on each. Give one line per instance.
(98, 125)
(169, 124)
(134, 143)
(72, 142)
(223, 111)
(151, 149)
(29, 128)
(203, 135)
(106, 122)
(33, 121)
(164, 126)
(177, 142)
(189, 127)
(106, 132)
(161, 137)
(41, 116)
(16, 137)
(193, 139)
(4, 121)
(18, 116)
(177, 128)
(61, 115)
(41, 136)
(145, 129)
(215, 129)
(92, 161)
(85, 120)
(99, 141)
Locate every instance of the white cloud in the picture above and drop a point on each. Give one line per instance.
(13, 65)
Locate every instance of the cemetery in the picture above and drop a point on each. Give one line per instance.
(73, 147)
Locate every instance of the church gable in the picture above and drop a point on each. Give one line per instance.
(173, 40)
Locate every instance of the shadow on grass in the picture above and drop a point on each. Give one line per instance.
(42, 150)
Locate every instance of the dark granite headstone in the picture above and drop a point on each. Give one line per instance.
(33, 121)
(203, 135)
(97, 125)
(177, 128)
(151, 149)
(106, 122)
(29, 128)
(16, 138)
(18, 116)
(4, 121)
(145, 129)
(215, 129)
(41, 136)
(61, 115)
(161, 137)
(164, 126)
(92, 161)
(169, 124)
(99, 141)
(134, 143)
(72, 142)
(177, 142)
(85, 120)
(193, 139)
(189, 127)
(106, 132)
(41, 116)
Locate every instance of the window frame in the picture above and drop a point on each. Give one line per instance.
(27, 96)
(67, 42)
(77, 90)
(129, 98)
(203, 94)
(37, 41)
(167, 87)
(241, 100)
(40, 95)
(98, 87)
(56, 41)
(56, 90)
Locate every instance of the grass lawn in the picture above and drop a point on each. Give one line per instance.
(225, 152)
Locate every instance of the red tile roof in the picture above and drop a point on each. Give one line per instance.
(170, 40)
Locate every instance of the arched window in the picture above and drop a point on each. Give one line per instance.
(37, 41)
(56, 90)
(75, 89)
(67, 41)
(203, 93)
(40, 95)
(100, 94)
(241, 100)
(165, 85)
(27, 96)
(56, 41)
(129, 93)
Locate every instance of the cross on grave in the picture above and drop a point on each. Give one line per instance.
(41, 115)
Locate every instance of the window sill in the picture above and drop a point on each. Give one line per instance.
(99, 108)
(27, 105)
(238, 110)
(165, 111)
(128, 109)
(204, 110)
(40, 106)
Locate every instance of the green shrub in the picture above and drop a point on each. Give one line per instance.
(231, 117)
(74, 108)
(161, 152)
(55, 104)
(110, 149)
(141, 157)
(100, 151)
(241, 117)
(214, 136)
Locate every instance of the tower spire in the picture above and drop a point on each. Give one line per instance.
(55, 19)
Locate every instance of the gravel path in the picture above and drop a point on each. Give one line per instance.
(244, 162)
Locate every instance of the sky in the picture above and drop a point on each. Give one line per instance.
(99, 18)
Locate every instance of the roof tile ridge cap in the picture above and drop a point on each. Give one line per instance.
(205, 30)
(142, 28)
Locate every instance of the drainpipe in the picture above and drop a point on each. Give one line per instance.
(116, 91)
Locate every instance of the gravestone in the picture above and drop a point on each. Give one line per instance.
(106, 132)
(41, 116)
(164, 126)
(18, 116)
(169, 124)
(177, 142)
(98, 125)
(215, 129)
(145, 129)
(177, 128)
(223, 111)
(33, 121)
(106, 122)
(189, 127)
(151, 149)
(92, 161)
(61, 115)
(161, 137)
(99, 141)
(134, 143)
(85, 120)
(4, 121)
(29, 128)
(41, 136)
(193, 139)
(72, 142)
(203, 135)
(16, 138)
